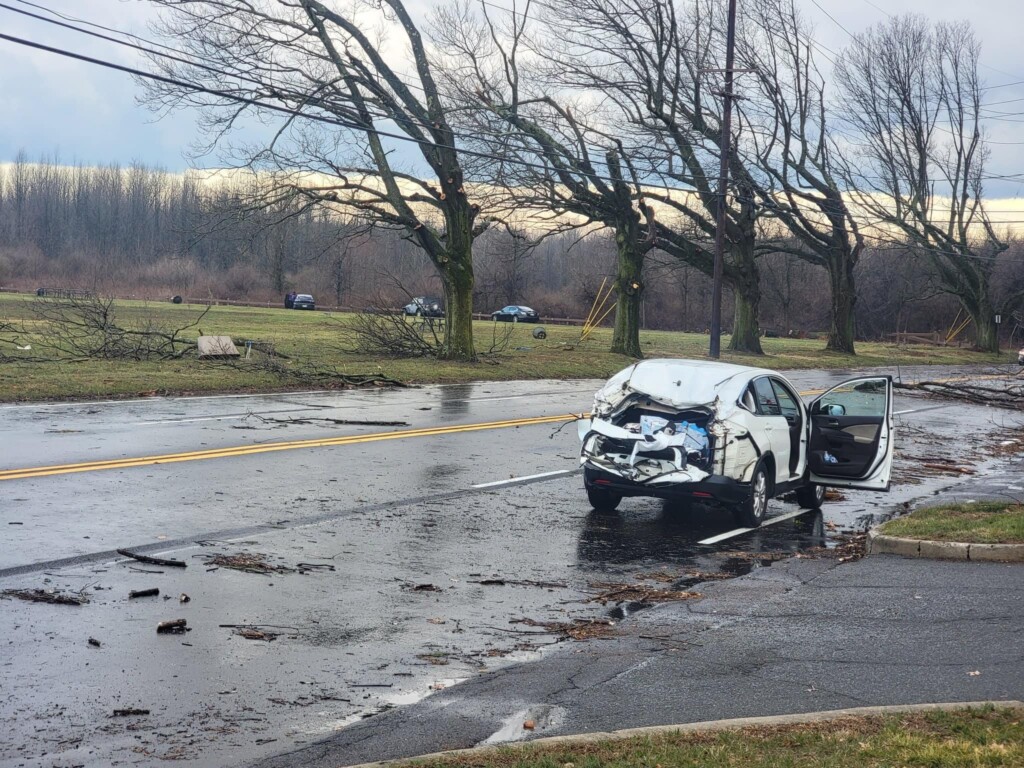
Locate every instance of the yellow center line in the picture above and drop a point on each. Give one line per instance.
(246, 450)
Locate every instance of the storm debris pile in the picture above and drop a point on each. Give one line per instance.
(637, 593)
(577, 629)
(54, 596)
(250, 562)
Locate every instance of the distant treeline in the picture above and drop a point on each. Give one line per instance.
(146, 232)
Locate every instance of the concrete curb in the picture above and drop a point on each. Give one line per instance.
(706, 726)
(880, 544)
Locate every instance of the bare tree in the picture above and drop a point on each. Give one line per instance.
(556, 152)
(790, 143)
(658, 69)
(334, 82)
(911, 90)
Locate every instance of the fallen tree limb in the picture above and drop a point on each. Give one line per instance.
(1010, 396)
(153, 560)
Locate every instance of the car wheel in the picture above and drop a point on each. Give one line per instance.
(751, 512)
(810, 496)
(603, 500)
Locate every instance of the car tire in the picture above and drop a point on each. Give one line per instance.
(750, 513)
(810, 496)
(603, 500)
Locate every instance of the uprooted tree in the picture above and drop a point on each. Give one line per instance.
(337, 86)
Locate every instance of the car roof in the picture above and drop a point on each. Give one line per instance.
(681, 382)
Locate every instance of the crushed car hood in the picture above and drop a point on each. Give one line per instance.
(677, 383)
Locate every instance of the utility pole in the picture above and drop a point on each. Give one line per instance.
(715, 350)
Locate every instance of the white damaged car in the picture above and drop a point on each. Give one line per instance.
(690, 429)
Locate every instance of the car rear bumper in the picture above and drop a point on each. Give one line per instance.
(724, 490)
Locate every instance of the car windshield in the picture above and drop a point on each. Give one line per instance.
(303, 297)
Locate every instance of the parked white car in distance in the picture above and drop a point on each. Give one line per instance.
(691, 429)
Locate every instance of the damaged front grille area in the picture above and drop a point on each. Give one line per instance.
(647, 442)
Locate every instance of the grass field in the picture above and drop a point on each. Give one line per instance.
(983, 522)
(326, 339)
(962, 739)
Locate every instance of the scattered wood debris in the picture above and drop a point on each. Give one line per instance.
(250, 562)
(437, 659)
(409, 586)
(252, 633)
(153, 560)
(94, 642)
(151, 592)
(53, 596)
(577, 629)
(344, 422)
(129, 712)
(637, 593)
(519, 583)
(172, 627)
(1011, 395)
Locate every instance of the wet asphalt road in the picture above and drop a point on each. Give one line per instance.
(356, 630)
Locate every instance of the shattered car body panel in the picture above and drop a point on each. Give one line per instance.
(705, 394)
(737, 435)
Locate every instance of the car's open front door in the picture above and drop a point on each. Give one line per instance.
(851, 435)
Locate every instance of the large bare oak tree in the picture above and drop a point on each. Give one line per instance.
(327, 85)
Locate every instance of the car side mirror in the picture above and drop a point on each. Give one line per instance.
(833, 409)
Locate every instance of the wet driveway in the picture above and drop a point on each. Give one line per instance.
(376, 572)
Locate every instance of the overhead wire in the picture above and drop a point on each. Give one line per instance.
(321, 118)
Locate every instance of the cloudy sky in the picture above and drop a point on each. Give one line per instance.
(80, 112)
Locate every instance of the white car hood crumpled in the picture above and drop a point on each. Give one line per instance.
(678, 384)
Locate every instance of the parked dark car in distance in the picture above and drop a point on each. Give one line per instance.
(303, 301)
(515, 313)
(424, 306)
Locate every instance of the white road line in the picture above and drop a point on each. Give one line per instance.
(512, 480)
(765, 524)
(918, 410)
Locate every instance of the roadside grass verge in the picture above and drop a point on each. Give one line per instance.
(326, 339)
(982, 522)
(961, 739)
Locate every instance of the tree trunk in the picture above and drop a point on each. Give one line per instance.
(745, 281)
(746, 331)
(456, 268)
(629, 287)
(844, 297)
(986, 333)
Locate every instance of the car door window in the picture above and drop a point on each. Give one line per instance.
(786, 401)
(865, 398)
(767, 402)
